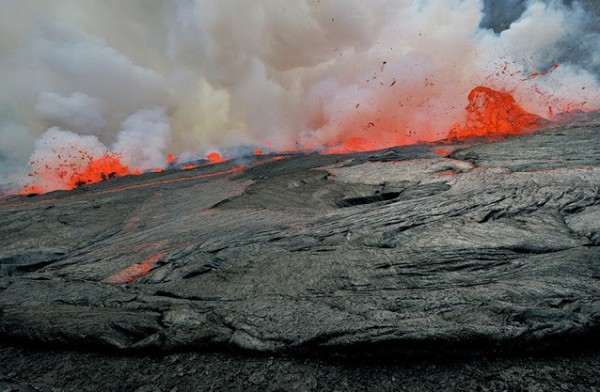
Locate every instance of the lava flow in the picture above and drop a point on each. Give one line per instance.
(135, 271)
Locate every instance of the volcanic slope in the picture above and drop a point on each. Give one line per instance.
(463, 245)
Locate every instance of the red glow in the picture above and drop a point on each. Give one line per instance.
(354, 144)
(31, 190)
(367, 131)
(136, 186)
(214, 157)
(537, 74)
(74, 171)
(490, 113)
(108, 166)
(290, 150)
(442, 151)
(135, 271)
(494, 113)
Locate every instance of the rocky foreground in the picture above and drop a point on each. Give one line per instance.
(429, 252)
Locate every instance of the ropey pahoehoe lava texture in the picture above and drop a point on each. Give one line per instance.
(493, 244)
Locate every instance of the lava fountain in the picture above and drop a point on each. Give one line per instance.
(492, 113)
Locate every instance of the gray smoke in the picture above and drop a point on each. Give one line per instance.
(144, 78)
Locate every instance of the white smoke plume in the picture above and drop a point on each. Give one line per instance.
(144, 78)
(77, 111)
(142, 141)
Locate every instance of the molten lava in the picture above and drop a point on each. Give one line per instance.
(98, 170)
(135, 271)
(443, 151)
(356, 144)
(190, 166)
(214, 157)
(72, 172)
(492, 113)
(32, 190)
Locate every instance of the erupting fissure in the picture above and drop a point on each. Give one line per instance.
(72, 173)
(108, 166)
(75, 171)
(490, 113)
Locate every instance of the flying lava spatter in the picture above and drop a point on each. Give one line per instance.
(489, 113)
(108, 166)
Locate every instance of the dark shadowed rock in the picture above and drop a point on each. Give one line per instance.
(494, 245)
(15, 385)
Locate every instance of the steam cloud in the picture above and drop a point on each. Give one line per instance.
(145, 77)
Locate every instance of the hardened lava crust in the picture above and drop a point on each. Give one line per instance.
(460, 246)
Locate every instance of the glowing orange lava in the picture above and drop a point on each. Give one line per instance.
(443, 151)
(494, 113)
(31, 190)
(190, 166)
(135, 271)
(354, 144)
(490, 113)
(108, 166)
(214, 157)
(74, 171)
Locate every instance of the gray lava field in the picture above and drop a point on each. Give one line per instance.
(468, 247)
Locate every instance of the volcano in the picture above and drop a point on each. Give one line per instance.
(300, 196)
(487, 247)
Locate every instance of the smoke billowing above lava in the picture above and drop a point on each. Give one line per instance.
(130, 82)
